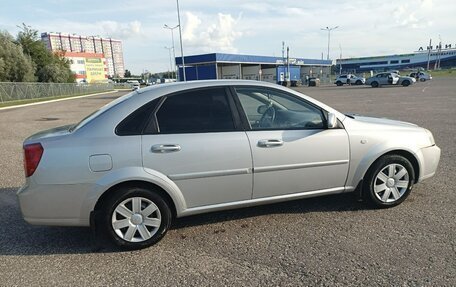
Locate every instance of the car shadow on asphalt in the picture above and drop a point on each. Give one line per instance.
(20, 238)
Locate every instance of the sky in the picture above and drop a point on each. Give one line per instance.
(257, 27)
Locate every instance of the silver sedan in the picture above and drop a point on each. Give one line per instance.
(382, 79)
(179, 149)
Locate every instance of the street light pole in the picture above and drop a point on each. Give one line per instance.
(329, 36)
(180, 36)
(170, 61)
(172, 40)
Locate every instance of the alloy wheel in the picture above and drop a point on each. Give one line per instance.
(136, 219)
(391, 183)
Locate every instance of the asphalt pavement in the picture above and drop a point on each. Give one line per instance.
(330, 241)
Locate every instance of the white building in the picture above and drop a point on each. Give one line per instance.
(110, 48)
(88, 67)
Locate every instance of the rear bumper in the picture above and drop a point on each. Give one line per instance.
(430, 162)
(53, 204)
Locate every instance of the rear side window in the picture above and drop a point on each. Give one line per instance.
(134, 124)
(206, 110)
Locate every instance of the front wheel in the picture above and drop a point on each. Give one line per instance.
(359, 82)
(406, 83)
(135, 217)
(388, 181)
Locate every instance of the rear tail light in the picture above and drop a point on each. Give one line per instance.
(32, 157)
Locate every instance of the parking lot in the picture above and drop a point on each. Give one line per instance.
(332, 241)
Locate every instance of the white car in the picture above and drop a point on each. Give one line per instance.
(421, 76)
(194, 147)
(134, 85)
(349, 79)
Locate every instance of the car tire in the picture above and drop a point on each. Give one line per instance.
(374, 84)
(406, 83)
(423, 80)
(131, 227)
(338, 83)
(388, 181)
(359, 82)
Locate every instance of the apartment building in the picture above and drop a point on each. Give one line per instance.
(110, 48)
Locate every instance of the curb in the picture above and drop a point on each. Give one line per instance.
(55, 100)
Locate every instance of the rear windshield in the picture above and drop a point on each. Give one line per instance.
(98, 112)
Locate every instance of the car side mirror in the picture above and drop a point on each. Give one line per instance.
(262, 109)
(332, 121)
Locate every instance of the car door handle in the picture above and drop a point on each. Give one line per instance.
(165, 148)
(270, 143)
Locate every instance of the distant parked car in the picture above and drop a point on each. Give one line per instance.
(383, 79)
(349, 79)
(421, 76)
(83, 82)
(405, 81)
(134, 85)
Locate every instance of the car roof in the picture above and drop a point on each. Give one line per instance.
(178, 86)
(168, 88)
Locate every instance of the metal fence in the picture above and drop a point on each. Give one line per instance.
(10, 91)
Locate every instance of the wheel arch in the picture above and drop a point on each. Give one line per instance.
(131, 176)
(401, 152)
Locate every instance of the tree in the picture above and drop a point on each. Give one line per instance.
(58, 71)
(127, 74)
(14, 65)
(50, 67)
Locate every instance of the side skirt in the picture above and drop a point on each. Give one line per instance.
(259, 201)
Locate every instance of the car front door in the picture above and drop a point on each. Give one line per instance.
(196, 140)
(292, 149)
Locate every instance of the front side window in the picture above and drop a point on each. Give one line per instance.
(268, 109)
(206, 110)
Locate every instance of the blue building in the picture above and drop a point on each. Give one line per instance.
(248, 67)
(438, 58)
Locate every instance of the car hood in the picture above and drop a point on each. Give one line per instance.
(54, 132)
(380, 121)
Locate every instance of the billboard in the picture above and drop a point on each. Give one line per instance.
(95, 70)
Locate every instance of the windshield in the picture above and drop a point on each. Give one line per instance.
(98, 112)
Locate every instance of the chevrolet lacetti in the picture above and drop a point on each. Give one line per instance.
(179, 149)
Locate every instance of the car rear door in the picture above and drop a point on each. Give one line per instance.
(294, 152)
(196, 140)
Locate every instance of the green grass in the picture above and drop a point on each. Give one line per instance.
(29, 101)
(447, 73)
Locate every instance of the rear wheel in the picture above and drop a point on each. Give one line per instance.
(339, 83)
(389, 181)
(374, 84)
(135, 217)
(406, 83)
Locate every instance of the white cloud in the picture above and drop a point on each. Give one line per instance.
(120, 30)
(191, 26)
(210, 35)
(427, 4)
(413, 16)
